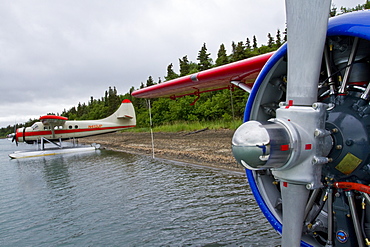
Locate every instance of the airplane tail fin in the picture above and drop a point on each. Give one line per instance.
(125, 115)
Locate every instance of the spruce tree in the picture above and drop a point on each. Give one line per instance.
(205, 62)
(150, 81)
(221, 56)
(278, 39)
(170, 73)
(254, 42)
(285, 35)
(270, 40)
(248, 45)
(233, 47)
(367, 4)
(239, 52)
(184, 66)
(248, 48)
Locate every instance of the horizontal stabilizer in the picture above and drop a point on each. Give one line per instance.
(218, 78)
(125, 117)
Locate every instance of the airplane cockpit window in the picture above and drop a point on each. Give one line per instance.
(70, 127)
(34, 126)
(76, 126)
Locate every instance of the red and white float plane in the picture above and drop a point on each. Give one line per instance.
(53, 128)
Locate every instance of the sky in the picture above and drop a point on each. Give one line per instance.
(55, 54)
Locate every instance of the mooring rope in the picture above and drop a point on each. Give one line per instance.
(151, 129)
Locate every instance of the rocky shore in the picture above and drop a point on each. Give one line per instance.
(205, 147)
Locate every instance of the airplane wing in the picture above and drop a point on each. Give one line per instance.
(244, 71)
(53, 120)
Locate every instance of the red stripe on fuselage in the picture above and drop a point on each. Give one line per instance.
(71, 131)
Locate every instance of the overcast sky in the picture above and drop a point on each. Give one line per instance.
(55, 54)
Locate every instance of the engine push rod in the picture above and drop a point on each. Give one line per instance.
(329, 72)
(329, 241)
(347, 72)
(355, 220)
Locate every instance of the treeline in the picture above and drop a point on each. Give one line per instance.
(334, 10)
(210, 106)
(219, 105)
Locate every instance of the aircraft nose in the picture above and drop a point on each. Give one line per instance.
(18, 135)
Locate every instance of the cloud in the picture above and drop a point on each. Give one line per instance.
(55, 54)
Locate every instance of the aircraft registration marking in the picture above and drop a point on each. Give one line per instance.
(95, 126)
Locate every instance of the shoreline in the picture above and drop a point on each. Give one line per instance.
(210, 148)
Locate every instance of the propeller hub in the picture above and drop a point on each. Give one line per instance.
(258, 146)
(293, 145)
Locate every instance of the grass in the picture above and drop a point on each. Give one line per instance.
(192, 126)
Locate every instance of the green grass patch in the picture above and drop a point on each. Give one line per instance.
(191, 126)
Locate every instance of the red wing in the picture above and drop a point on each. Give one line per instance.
(53, 120)
(217, 78)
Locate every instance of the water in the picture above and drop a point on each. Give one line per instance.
(107, 198)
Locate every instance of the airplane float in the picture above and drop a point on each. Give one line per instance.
(305, 140)
(54, 129)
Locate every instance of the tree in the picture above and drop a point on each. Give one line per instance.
(285, 34)
(254, 42)
(356, 8)
(333, 11)
(205, 62)
(270, 40)
(113, 101)
(239, 52)
(248, 45)
(248, 48)
(222, 56)
(150, 82)
(184, 66)
(278, 39)
(170, 73)
(367, 4)
(193, 68)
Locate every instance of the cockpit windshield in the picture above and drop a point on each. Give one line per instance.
(35, 126)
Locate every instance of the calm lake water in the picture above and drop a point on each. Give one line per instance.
(106, 198)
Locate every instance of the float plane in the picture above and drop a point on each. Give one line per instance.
(54, 129)
(305, 140)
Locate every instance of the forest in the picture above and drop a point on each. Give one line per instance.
(223, 105)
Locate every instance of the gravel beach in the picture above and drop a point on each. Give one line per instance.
(205, 147)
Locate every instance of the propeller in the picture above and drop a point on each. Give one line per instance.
(292, 144)
(307, 26)
(15, 135)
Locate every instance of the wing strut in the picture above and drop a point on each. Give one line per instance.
(241, 85)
